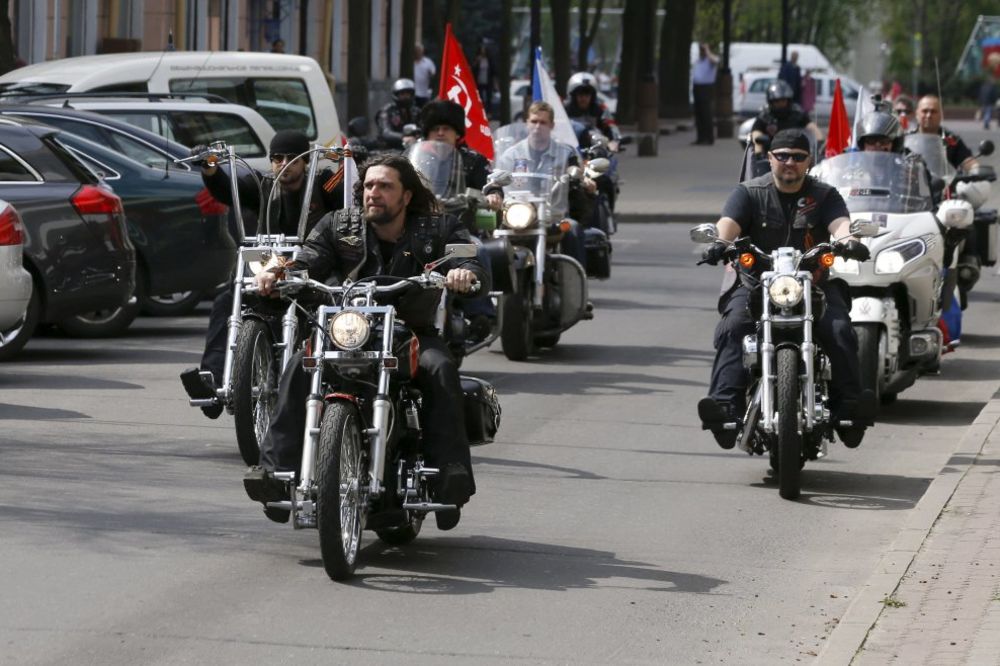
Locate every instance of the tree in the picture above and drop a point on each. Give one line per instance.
(585, 36)
(560, 42)
(503, 62)
(631, 25)
(409, 39)
(675, 57)
(7, 55)
(358, 57)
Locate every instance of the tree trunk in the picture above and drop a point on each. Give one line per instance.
(503, 63)
(675, 58)
(433, 39)
(358, 57)
(560, 42)
(587, 35)
(7, 55)
(409, 39)
(631, 48)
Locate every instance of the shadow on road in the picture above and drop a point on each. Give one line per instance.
(583, 354)
(482, 564)
(852, 490)
(583, 383)
(23, 413)
(56, 382)
(110, 353)
(929, 412)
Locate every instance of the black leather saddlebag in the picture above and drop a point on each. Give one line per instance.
(598, 249)
(482, 410)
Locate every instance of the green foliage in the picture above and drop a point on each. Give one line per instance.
(831, 25)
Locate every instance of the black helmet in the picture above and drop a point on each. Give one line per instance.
(878, 125)
(403, 86)
(779, 89)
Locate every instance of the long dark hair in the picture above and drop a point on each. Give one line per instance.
(422, 200)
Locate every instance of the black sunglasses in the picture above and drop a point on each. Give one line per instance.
(795, 157)
(278, 158)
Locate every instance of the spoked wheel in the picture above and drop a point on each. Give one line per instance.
(400, 536)
(789, 439)
(516, 335)
(255, 386)
(340, 501)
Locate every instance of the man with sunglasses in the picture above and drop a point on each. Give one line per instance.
(288, 175)
(783, 208)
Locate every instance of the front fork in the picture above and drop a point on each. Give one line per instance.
(807, 351)
(224, 392)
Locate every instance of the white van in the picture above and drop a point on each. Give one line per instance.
(289, 91)
(748, 56)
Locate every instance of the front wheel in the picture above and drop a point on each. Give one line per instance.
(340, 473)
(255, 386)
(871, 357)
(789, 438)
(516, 336)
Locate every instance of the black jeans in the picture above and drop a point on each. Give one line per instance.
(703, 95)
(442, 414)
(834, 333)
(214, 356)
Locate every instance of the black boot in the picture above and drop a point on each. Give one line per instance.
(713, 417)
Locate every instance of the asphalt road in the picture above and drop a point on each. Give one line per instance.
(607, 528)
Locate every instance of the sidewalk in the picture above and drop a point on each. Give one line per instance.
(683, 183)
(935, 596)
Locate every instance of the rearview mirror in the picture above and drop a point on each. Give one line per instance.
(705, 233)
(986, 147)
(600, 165)
(460, 250)
(864, 228)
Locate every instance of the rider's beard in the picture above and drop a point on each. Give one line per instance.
(381, 216)
(790, 177)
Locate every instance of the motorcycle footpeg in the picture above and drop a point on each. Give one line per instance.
(428, 506)
(200, 386)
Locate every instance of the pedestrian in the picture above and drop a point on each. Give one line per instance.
(703, 90)
(792, 75)
(482, 69)
(988, 99)
(423, 72)
(808, 92)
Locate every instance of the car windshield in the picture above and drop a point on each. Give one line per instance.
(872, 182)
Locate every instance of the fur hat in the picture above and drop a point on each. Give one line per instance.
(442, 112)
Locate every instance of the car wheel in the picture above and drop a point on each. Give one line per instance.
(12, 340)
(101, 323)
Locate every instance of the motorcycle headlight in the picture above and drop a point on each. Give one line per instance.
(846, 266)
(785, 291)
(349, 330)
(519, 216)
(892, 260)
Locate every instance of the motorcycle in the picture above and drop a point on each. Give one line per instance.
(441, 167)
(788, 415)
(976, 246)
(362, 466)
(550, 291)
(896, 297)
(252, 365)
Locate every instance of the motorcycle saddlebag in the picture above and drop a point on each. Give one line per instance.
(986, 228)
(482, 410)
(598, 249)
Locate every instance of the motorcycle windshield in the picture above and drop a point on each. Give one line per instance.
(440, 165)
(931, 148)
(537, 166)
(872, 182)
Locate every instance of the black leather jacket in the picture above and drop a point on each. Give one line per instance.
(390, 120)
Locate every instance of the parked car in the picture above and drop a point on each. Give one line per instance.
(191, 123)
(15, 282)
(290, 91)
(76, 246)
(179, 231)
(753, 93)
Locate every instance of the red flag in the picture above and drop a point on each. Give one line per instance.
(840, 128)
(458, 85)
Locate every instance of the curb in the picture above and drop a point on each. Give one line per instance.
(850, 634)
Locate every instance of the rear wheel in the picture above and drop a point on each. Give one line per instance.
(170, 305)
(516, 336)
(871, 356)
(789, 439)
(13, 339)
(255, 384)
(340, 471)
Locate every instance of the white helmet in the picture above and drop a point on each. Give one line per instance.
(976, 193)
(580, 81)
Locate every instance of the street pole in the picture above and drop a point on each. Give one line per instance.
(724, 81)
(784, 31)
(536, 28)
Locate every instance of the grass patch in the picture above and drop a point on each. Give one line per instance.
(892, 602)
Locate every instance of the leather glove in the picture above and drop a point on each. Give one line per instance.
(713, 253)
(198, 150)
(853, 249)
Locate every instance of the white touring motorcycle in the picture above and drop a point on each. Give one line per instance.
(362, 463)
(254, 358)
(788, 414)
(895, 297)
